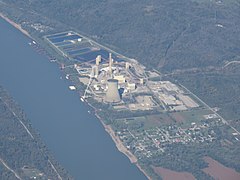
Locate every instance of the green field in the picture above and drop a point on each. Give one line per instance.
(188, 117)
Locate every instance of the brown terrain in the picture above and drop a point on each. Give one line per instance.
(178, 117)
(159, 120)
(167, 174)
(219, 171)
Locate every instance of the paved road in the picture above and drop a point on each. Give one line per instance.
(223, 120)
(30, 134)
(10, 169)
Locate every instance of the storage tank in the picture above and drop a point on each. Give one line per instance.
(112, 94)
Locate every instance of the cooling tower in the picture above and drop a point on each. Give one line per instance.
(112, 94)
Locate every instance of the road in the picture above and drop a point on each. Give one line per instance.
(231, 62)
(30, 134)
(5, 164)
(223, 120)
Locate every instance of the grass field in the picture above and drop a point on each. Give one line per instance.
(184, 118)
(188, 117)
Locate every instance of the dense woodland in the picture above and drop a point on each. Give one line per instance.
(17, 149)
(219, 90)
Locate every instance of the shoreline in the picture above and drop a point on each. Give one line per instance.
(17, 26)
(121, 148)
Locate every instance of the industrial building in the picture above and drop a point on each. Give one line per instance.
(116, 79)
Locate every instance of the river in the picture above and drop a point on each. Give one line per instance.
(76, 138)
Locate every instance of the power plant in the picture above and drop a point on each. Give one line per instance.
(112, 78)
(104, 78)
(110, 81)
(112, 94)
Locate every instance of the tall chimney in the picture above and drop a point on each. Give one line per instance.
(110, 65)
(98, 60)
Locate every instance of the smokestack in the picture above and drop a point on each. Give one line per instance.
(127, 65)
(95, 71)
(112, 94)
(98, 60)
(110, 64)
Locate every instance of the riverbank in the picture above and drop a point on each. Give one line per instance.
(122, 148)
(119, 144)
(109, 130)
(16, 125)
(17, 26)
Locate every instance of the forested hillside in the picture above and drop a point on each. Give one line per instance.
(167, 35)
(185, 39)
